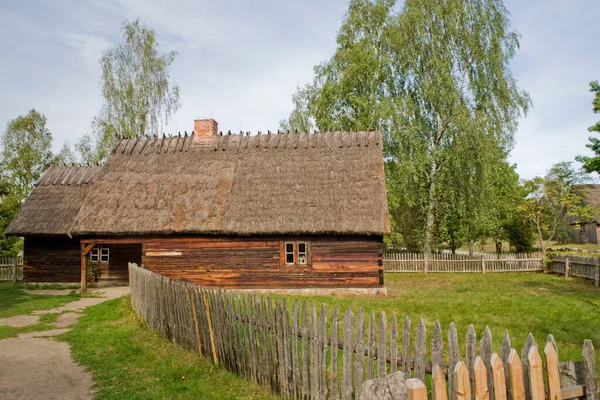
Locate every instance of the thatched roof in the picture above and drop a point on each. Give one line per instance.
(264, 184)
(54, 202)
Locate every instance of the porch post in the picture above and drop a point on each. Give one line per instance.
(83, 269)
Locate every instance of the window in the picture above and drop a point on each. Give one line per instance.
(296, 253)
(289, 253)
(581, 228)
(301, 253)
(100, 252)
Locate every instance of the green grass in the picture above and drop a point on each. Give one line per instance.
(13, 301)
(521, 303)
(129, 361)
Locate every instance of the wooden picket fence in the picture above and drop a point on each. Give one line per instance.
(577, 266)
(305, 354)
(419, 262)
(11, 268)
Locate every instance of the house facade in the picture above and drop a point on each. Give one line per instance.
(293, 210)
(587, 230)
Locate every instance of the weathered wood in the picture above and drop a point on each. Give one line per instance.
(286, 349)
(505, 353)
(323, 353)
(515, 370)
(470, 356)
(347, 376)
(295, 355)
(552, 371)
(334, 390)
(83, 269)
(438, 385)
(437, 345)
(525, 361)
(589, 364)
(195, 315)
(282, 373)
(406, 347)
(454, 358)
(536, 377)
(360, 350)
(416, 389)
(305, 352)
(486, 353)
(462, 382)
(314, 359)
(420, 350)
(498, 376)
(480, 380)
(381, 346)
(371, 347)
(572, 392)
(394, 345)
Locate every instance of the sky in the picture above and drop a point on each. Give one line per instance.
(240, 62)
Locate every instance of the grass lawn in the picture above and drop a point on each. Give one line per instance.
(522, 303)
(129, 361)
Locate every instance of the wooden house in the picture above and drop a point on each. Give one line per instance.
(235, 210)
(587, 230)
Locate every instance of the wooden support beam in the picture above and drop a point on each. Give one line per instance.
(86, 249)
(84, 267)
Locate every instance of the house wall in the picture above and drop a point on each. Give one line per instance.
(589, 236)
(257, 262)
(51, 259)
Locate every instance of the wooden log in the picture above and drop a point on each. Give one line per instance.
(505, 353)
(572, 392)
(382, 346)
(420, 350)
(485, 351)
(454, 358)
(334, 390)
(371, 347)
(295, 354)
(480, 380)
(438, 385)
(437, 345)
(394, 345)
(406, 348)
(470, 356)
(552, 371)
(314, 359)
(589, 365)
(83, 269)
(536, 374)
(305, 352)
(515, 370)
(416, 389)
(323, 353)
(498, 377)
(462, 382)
(360, 350)
(348, 352)
(530, 342)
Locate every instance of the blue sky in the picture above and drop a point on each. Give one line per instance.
(240, 62)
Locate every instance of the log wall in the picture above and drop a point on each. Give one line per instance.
(256, 262)
(51, 259)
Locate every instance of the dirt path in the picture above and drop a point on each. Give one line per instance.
(37, 366)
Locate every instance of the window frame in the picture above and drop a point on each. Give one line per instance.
(99, 252)
(295, 243)
(582, 228)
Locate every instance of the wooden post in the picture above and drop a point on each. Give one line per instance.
(14, 270)
(83, 269)
(567, 266)
(597, 273)
(426, 263)
(195, 315)
(416, 389)
(483, 264)
(210, 330)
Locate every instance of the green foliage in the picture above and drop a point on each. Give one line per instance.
(520, 233)
(592, 164)
(435, 78)
(138, 99)
(553, 199)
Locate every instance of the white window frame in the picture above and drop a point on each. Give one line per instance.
(305, 252)
(95, 254)
(286, 252)
(104, 253)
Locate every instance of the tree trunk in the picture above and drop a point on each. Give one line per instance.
(428, 247)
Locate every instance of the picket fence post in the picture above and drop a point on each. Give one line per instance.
(14, 270)
(567, 266)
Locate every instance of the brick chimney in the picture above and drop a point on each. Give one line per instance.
(205, 130)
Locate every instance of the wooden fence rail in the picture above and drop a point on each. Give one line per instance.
(11, 268)
(580, 267)
(305, 352)
(419, 262)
